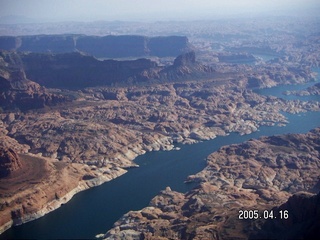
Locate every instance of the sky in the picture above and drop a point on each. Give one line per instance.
(154, 10)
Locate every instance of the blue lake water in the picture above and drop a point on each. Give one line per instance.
(95, 210)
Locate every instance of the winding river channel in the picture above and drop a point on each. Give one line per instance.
(95, 210)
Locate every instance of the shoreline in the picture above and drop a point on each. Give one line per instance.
(56, 203)
(164, 143)
(87, 184)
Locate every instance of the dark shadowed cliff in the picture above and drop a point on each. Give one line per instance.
(304, 222)
(24, 77)
(17, 91)
(78, 71)
(104, 47)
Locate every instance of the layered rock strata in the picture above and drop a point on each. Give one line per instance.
(17, 91)
(9, 162)
(40, 185)
(104, 46)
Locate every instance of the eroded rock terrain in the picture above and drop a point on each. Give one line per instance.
(32, 186)
(258, 174)
(17, 91)
(74, 121)
(9, 162)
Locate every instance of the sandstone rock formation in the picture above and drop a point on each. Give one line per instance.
(9, 162)
(107, 127)
(19, 92)
(135, 106)
(40, 185)
(258, 174)
(78, 71)
(105, 46)
(304, 223)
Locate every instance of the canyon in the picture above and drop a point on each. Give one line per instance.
(79, 121)
(257, 174)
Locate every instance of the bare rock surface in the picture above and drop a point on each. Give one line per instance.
(106, 128)
(304, 222)
(74, 139)
(17, 91)
(9, 162)
(258, 174)
(40, 185)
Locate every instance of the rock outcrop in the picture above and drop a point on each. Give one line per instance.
(95, 137)
(40, 185)
(104, 47)
(304, 222)
(9, 162)
(17, 91)
(187, 59)
(77, 71)
(258, 174)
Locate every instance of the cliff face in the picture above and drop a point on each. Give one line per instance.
(185, 60)
(168, 46)
(41, 185)
(9, 161)
(74, 71)
(106, 46)
(46, 43)
(16, 91)
(78, 71)
(113, 46)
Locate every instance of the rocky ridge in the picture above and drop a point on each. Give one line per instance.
(101, 129)
(99, 46)
(107, 127)
(40, 185)
(17, 91)
(258, 174)
(303, 223)
(9, 162)
(77, 71)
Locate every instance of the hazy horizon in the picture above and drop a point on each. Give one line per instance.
(143, 10)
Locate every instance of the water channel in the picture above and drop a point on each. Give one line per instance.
(95, 210)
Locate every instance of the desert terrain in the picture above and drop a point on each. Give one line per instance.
(73, 119)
